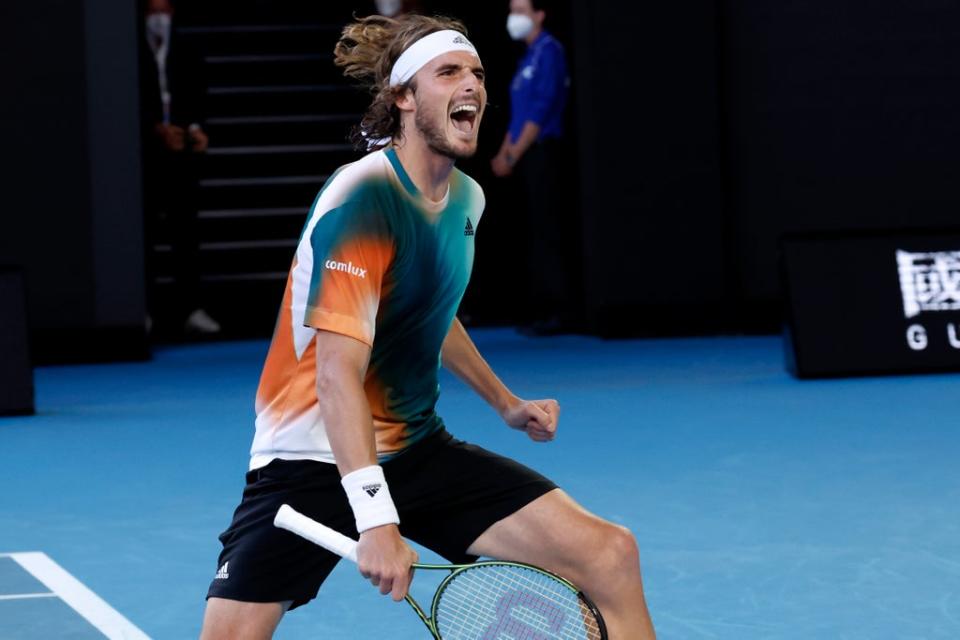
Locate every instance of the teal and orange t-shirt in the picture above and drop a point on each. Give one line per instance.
(380, 263)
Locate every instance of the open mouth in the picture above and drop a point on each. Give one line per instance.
(464, 117)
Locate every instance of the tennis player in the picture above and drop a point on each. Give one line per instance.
(346, 428)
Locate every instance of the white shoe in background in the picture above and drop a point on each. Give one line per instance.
(200, 322)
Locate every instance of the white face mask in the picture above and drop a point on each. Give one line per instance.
(519, 25)
(388, 8)
(158, 31)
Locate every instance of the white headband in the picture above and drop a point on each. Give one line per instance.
(426, 49)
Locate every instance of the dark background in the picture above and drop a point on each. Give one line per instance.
(705, 131)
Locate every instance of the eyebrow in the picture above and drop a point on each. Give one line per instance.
(451, 66)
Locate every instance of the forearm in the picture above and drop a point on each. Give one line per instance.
(505, 145)
(528, 135)
(342, 401)
(349, 428)
(347, 420)
(461, 357)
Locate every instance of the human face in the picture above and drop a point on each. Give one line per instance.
(525, 8)
(159, 6)
(521, 6)
(449, 100)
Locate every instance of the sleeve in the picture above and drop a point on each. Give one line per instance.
(549, 83)
(352, 248)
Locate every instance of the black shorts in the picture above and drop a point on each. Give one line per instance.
(446, 491)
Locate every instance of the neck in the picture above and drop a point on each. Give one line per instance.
(428, 170)
(533, 35)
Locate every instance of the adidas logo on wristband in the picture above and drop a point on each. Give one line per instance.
(369, 496)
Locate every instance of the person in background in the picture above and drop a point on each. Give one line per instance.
(175, 144)
(533, 147)
(397, 8)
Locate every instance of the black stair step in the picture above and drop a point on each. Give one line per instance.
(270, 181)
(266, 39)
(258, 197)
(220, 260)
(264, 161)
(213, 12)
(263, 213)
(249, 245)
(278, 229)
(288, 129)
(275, 99)
(239, 69)
(217, 267)
(269, 276)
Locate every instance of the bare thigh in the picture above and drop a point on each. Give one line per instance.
(553, 532)
(234, 620)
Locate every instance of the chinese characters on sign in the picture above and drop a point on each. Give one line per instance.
(929, 282)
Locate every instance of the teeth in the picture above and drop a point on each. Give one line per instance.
(472, 108)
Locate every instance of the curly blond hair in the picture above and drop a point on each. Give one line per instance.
(367, 51)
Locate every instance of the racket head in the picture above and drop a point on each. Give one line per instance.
(495, 600)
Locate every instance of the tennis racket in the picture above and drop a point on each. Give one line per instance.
(490, 600)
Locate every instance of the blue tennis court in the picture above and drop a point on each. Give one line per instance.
(765, 507)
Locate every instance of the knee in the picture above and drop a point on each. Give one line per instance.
(611, 562)
(620, 554)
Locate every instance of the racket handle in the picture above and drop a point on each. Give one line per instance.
(333, 541)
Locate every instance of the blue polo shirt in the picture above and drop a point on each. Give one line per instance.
(539, 89)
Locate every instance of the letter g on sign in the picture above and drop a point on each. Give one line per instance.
(917, 337)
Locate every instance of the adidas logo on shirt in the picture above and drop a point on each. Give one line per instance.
(346, 267)
(222, 573)
(372, 489)
(468, 230)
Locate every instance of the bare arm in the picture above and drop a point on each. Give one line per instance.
(341, 367)
(529, 135)
(383, 557)
(509, 154)
(460, 355)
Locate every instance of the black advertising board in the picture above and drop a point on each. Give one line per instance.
(880, 303)
(16, 372)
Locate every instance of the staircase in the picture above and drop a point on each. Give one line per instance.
(278, 113)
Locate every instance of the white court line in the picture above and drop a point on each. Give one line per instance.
(84, 601)
(24, 596)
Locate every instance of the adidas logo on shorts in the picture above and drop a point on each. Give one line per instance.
(222, 573)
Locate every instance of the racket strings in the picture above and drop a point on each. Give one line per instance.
(507, 602)
(525, 610)
(546, 589)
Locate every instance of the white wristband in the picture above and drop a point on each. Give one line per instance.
(369, 498)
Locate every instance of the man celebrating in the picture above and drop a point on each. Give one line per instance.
(347, 397)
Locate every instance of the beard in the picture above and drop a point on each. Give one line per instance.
(426, 123)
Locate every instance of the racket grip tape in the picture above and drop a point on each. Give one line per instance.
(333, 541)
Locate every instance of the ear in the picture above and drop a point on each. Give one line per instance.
(539, 16)
(406, 100)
